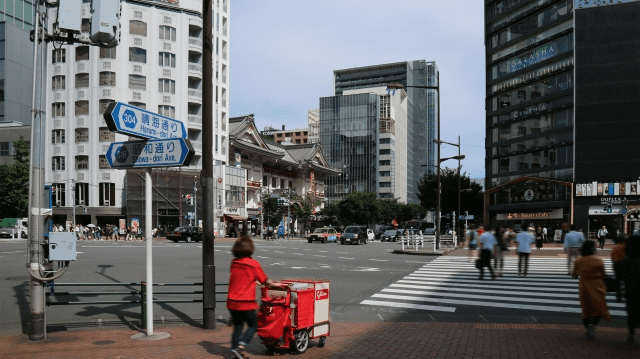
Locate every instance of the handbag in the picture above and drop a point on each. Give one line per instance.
(478, 263)
(611, 284)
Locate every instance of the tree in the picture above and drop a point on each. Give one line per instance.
(14, 187)
(471, 201)
(272, 211)
(304, 210)
(388, 210)
(357, 208)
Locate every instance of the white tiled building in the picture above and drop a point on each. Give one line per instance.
(156, 66)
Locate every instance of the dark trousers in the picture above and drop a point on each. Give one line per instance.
(239, 317)
(633, 311)
(523, 257)
(485, 258)
(601, 242)
(618, 273)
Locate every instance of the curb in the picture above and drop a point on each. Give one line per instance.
(12, 240)
(418, 253)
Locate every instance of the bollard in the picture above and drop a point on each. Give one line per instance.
(143, 303)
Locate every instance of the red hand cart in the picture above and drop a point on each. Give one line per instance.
(292, 312)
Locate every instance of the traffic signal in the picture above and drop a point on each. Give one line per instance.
(187, 199)
(84, 209)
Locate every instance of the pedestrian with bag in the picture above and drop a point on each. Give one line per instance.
(487, 243)
(241, 297)
(592, 288)
(573, 241)
(523, 240)
(499, 249)
(602, 236)
(630, 273)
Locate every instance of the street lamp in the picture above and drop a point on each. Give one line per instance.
(459, 168)
(440, 160)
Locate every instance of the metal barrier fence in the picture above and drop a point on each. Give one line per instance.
(142, 292)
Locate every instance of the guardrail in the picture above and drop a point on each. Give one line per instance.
(142, 293)
(414, 240)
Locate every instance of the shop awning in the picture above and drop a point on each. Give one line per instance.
(234, 217)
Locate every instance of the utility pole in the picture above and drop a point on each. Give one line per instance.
(206, 176)
(289, 211)
(73, 195)
(195, 204)
(439, 144)
(459, 194)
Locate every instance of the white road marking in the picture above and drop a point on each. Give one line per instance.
(366, 269)
(298, 267)
(322, 251)
(300, 254)
(317, 255)
(378, 260)
(278, 252)
(343, 252)
(408, 306)
(12, 252)
(345, 258)
(306, 249)
(415, 262)
(262, 257)
(79, 252)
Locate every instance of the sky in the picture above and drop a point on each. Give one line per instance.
(283, 54)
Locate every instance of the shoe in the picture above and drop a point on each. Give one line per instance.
(237, 354)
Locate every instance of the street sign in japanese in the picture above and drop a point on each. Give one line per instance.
(130, 120)
(468, 217)
(151, 153)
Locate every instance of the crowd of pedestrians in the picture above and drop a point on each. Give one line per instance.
(582, 263)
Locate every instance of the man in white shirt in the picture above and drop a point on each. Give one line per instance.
(487, 242)
(602, 236)
(544, 234)
(524, 240)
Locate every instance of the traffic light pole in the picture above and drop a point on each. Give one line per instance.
(195, 204)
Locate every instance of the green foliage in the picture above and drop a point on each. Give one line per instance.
(272, 211)
(303, 209)
(472, 201)
(14, 187)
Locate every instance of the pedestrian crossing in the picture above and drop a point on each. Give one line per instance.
(447, 283)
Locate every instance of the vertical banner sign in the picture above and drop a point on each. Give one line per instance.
(238, 158)
(122, 225)
(312, 178)
(135, 223)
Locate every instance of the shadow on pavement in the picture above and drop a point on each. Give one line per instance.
(22, 294)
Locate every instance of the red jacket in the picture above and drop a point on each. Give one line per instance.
(242, 283)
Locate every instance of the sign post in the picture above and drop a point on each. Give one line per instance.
(164, 145)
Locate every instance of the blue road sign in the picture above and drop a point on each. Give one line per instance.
(469, 217)
(130, 120)
(151, 153)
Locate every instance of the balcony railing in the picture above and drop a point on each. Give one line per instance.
(195, 67)
(224, 79)
(224, 103)
(223, 150)
(195, 118)
(224, 125)
(197, 145)
(195, 93)
(195, 41)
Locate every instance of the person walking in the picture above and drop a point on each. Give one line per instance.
(499, 249)
(523, 241)
(592, 289)
(539, 237)
(630, 271)
(572, 243)
(545, 236)
(473, 242)
(487, 243)
(602, 236)
(241, 297)
(617, 255)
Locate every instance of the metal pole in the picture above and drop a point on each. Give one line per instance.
(289, 212)
(73, 210)
(149, 239)
(36, 178)
(195, 204)
(438, 205)
(206, 176)
(459, 194)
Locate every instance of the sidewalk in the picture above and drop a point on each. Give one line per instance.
(548, 250)
(347, 340)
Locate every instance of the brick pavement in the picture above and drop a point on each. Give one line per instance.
(347, 340)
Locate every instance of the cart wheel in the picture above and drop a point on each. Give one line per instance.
(322, 342)
(301, 342)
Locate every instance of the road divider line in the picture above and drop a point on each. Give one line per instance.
(345, 258)
(378, 260)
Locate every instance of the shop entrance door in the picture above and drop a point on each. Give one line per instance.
(612, 223)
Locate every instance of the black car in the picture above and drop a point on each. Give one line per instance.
(356, 234)
(185, 233)
(390, 235)
(380, 231)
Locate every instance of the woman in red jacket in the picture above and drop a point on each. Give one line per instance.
(241, 300)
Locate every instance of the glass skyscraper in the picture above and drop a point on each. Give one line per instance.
(18, 13)
(422, 107)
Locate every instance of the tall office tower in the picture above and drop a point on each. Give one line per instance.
(16, 72)
(422, 107)
(19, 13)
(363, 134)
(562, 105)
(313, 121)
(157, 66)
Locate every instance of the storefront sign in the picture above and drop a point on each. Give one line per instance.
(612, 200)
(584, 4)
(600, 210)
(238, 157)
(231, 210)
(528, 195)
(553, 214)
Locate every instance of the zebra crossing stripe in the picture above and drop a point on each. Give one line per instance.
(409, 306)
(475, 280)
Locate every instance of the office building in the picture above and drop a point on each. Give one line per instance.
(422, 107)
(561, 122)
(157, 66)
(19, 13)
(16, 74)
(363, 133)
(11, 132)
(313, 121)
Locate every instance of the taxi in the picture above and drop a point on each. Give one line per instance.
(324, 235)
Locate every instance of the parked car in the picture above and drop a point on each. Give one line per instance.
(430, 231)
(356, 234)
(409, 231)
(12, 232)
(185, 233)
(390, 235)
(380, 231)
(324, 235)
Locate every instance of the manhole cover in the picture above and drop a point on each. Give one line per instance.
(103, 342)
(23, 278)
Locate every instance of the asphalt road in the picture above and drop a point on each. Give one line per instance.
(368, 283)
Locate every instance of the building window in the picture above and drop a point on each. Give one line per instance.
(168, 111)
(167, 33)
(273, 182)
(57, 109)
(59, 56)
(82, 108)
(290, 184)
(137, 82)
(82, 162)
(82, 53)
(103, 164)
(85, 26)
(82, 135)
(82, 194)
(107, 52)
(137, 27)
(385, 163)
(166, 86)
(281, 183)
(107, 78)
(137, 54)
(57, 136)
(58, 194)
(57, 163)
(102, 105)
(82, 80)
(139, 105)
(385, 173)
(385, 184)
(104, 135)
(385, 152)
(108, 194)
(167, 59)
(5, 148)
(58, 83)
